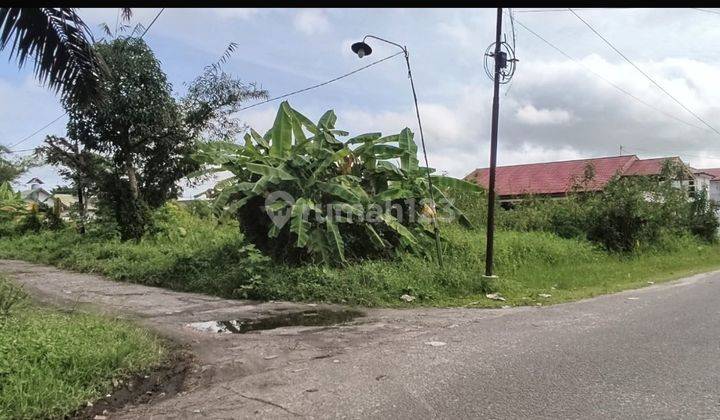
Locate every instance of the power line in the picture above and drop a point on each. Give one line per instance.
(12, 152)
(644, 74)
(152, 23)
(38, 130)
(566, 10)
(320, 84)
(24, 139)
(622, 90)
(261, 102)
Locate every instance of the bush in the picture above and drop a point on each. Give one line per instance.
(703, 220)
(336, 198)
(630, 212)
(30, 222)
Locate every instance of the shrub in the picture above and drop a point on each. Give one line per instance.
(12, 208)
(630, 212)
(31, 221)
(703, 219)
(328, 189)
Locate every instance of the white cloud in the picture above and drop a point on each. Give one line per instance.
(311, 21)
(459, 32)
(240, 13)
(533, 116)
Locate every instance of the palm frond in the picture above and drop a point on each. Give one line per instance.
(60, 44)
(106, 29)
(126, 13)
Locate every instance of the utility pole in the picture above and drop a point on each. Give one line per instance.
(500, 62)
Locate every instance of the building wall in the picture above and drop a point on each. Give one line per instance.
(714, 190)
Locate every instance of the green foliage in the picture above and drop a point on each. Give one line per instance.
(213, 259)
(702, 218)
(53, 220)
(133, 147)
(629, 214)
(12, 168)
(11, 298)
(180, 251)
(31, 222)
(12, 208)
(200, 208)
(137, 131)
(19, 217)
(81, 167)
(59, 44)
(332, 187)
(53, 363)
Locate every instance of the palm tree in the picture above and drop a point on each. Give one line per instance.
(59, 43)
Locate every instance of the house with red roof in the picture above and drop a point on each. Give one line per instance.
(557, 179)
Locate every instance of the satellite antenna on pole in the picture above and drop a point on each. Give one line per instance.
(506, 61)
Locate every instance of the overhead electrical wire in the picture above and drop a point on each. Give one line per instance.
(36, 132)
(26, 138)
(512, 31)
(566, 10)
(614, 85)
(320, 84)
(645, 74)
(152, 23)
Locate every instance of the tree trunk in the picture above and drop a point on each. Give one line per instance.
(132, 178)
(81, 207)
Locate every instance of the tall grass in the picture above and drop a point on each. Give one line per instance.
(196, 254)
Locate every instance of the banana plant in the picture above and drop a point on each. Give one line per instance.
(12, 205)
(332, 185)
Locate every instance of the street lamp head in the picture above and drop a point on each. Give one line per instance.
(361, 49)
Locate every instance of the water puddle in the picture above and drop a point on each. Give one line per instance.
(310, 318)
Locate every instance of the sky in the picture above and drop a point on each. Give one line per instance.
(554, 108)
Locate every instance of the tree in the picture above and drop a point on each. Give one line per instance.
(63, 189)
(138, 130)
(77, 165)
(142, 133)
(60, 44)
(12, 168)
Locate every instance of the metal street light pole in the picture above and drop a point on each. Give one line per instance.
(362, 49)
(493, 149)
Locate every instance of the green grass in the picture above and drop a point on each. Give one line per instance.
(52, 363)
(196, 255)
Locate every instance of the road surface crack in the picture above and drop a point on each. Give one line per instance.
(264, 401)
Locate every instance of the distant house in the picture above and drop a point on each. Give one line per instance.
(557, 179)
(36, 193)
(714, 182)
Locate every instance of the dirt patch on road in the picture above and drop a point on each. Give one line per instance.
(165, 381)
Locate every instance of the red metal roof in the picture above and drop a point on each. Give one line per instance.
(559, 177)
(647, 166)
(715, 172)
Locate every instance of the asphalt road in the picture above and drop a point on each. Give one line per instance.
(652, 352)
